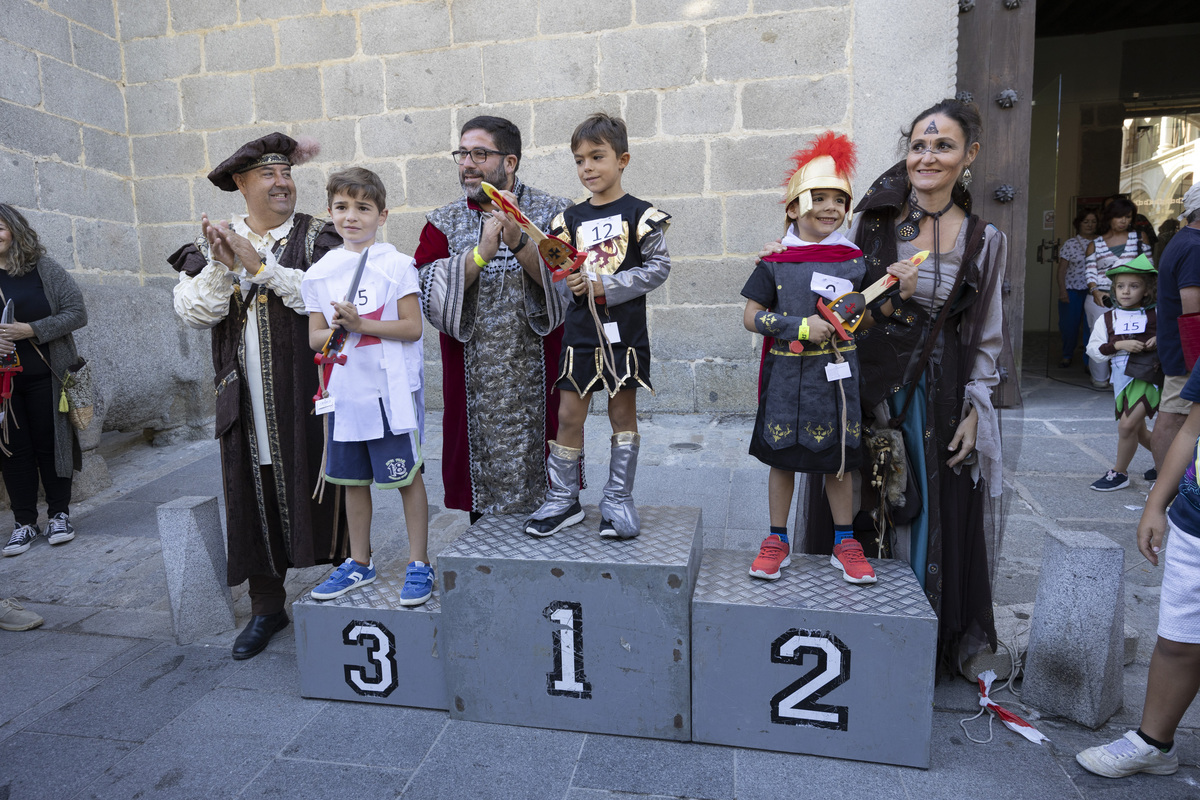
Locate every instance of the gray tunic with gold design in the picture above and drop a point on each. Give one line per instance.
(799, 422)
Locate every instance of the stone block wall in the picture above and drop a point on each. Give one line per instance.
(117, 111)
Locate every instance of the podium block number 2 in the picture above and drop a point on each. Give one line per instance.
(383, 679)
(796, 704)
(568, 678)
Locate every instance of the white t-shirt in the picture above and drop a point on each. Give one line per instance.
(375, 368)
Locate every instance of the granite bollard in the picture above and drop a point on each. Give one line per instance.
(193, 553)
(1076, 642)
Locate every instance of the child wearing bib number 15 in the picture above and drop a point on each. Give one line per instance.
(1126, 337)
(374, 401)
(606, 342)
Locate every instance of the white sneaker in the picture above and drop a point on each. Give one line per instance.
(1128, 756)
(59, 529)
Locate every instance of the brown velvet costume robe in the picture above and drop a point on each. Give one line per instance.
(295, 436)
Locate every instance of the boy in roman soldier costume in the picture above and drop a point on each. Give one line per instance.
(242, 280)
(808, 412)
(606, 342)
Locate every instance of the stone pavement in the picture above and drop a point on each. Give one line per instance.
(100, 701)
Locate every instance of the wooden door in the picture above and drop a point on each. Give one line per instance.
(995, 54)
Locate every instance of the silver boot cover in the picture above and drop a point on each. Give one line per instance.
(562, 467)
(617, 503)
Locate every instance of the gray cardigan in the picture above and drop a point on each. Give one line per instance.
(53, 336)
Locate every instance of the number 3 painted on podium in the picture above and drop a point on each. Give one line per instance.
(381, 649)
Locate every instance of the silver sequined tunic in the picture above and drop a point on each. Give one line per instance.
(500, 319)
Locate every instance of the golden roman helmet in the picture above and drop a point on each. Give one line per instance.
(826, 163)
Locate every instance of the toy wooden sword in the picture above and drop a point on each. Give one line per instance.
(846, 311)
(331, 352)
(562, 258)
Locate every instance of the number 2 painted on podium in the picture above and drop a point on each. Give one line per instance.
(796, 704)
(381, 649)
(568, 678)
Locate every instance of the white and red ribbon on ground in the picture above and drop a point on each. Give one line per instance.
(1011, 720)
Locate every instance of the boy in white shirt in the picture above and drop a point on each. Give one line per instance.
(374, 422)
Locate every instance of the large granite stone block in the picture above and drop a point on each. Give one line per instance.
(812, 664)
(193, 554)
(573, 631)
(1077, 640)
(366, 647)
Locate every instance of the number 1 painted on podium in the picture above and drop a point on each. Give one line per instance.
(568, 678)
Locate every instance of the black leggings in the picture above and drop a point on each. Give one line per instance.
(31, 442)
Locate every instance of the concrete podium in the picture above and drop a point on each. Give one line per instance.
(366, 647)
(572, 631)
(812, 664)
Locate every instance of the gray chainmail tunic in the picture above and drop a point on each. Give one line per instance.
(500, 319)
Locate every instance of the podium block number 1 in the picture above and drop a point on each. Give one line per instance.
(381, 650)
(568, 678)
(796, 704)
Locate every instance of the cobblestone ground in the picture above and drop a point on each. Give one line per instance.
(101, 702)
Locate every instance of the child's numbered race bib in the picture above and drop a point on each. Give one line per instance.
(593, 232)
(829, 286)
(364, 300)
(1128, 322)
(837, 371)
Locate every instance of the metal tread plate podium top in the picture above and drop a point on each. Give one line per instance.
(669, 541)
(812, 664)
(384, 593)
(573, 631)
(812, 582)
(367, 647)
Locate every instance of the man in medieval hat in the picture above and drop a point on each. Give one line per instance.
(241, 279)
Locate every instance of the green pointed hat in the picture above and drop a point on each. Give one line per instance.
(1137, 266)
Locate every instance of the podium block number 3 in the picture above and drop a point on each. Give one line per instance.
(381, 651)
(796, 704)
(568, 678)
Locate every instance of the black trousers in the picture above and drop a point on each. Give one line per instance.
(31, 442)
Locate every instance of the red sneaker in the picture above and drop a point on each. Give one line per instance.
(773, 554)
(848, 557)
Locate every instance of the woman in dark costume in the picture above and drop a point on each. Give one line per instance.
(929, 369)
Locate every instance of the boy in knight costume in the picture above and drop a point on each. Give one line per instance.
(808, 412)
(606, 342)
(373, 400)
(242, 280)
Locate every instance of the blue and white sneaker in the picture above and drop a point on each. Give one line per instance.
(22, 537)
(418, 584)
(350, 575)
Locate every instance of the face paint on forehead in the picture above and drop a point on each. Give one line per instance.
(932, 128)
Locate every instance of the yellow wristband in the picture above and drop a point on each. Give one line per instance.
(479, 260)
(802, 334)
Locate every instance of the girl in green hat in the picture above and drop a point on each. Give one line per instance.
(1125, 336)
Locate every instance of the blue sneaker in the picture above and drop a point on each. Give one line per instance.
(418, 584)
(350, 575)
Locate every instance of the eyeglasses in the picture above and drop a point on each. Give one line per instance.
(477, 154)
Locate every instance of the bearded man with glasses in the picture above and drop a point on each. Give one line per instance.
(489, 294)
